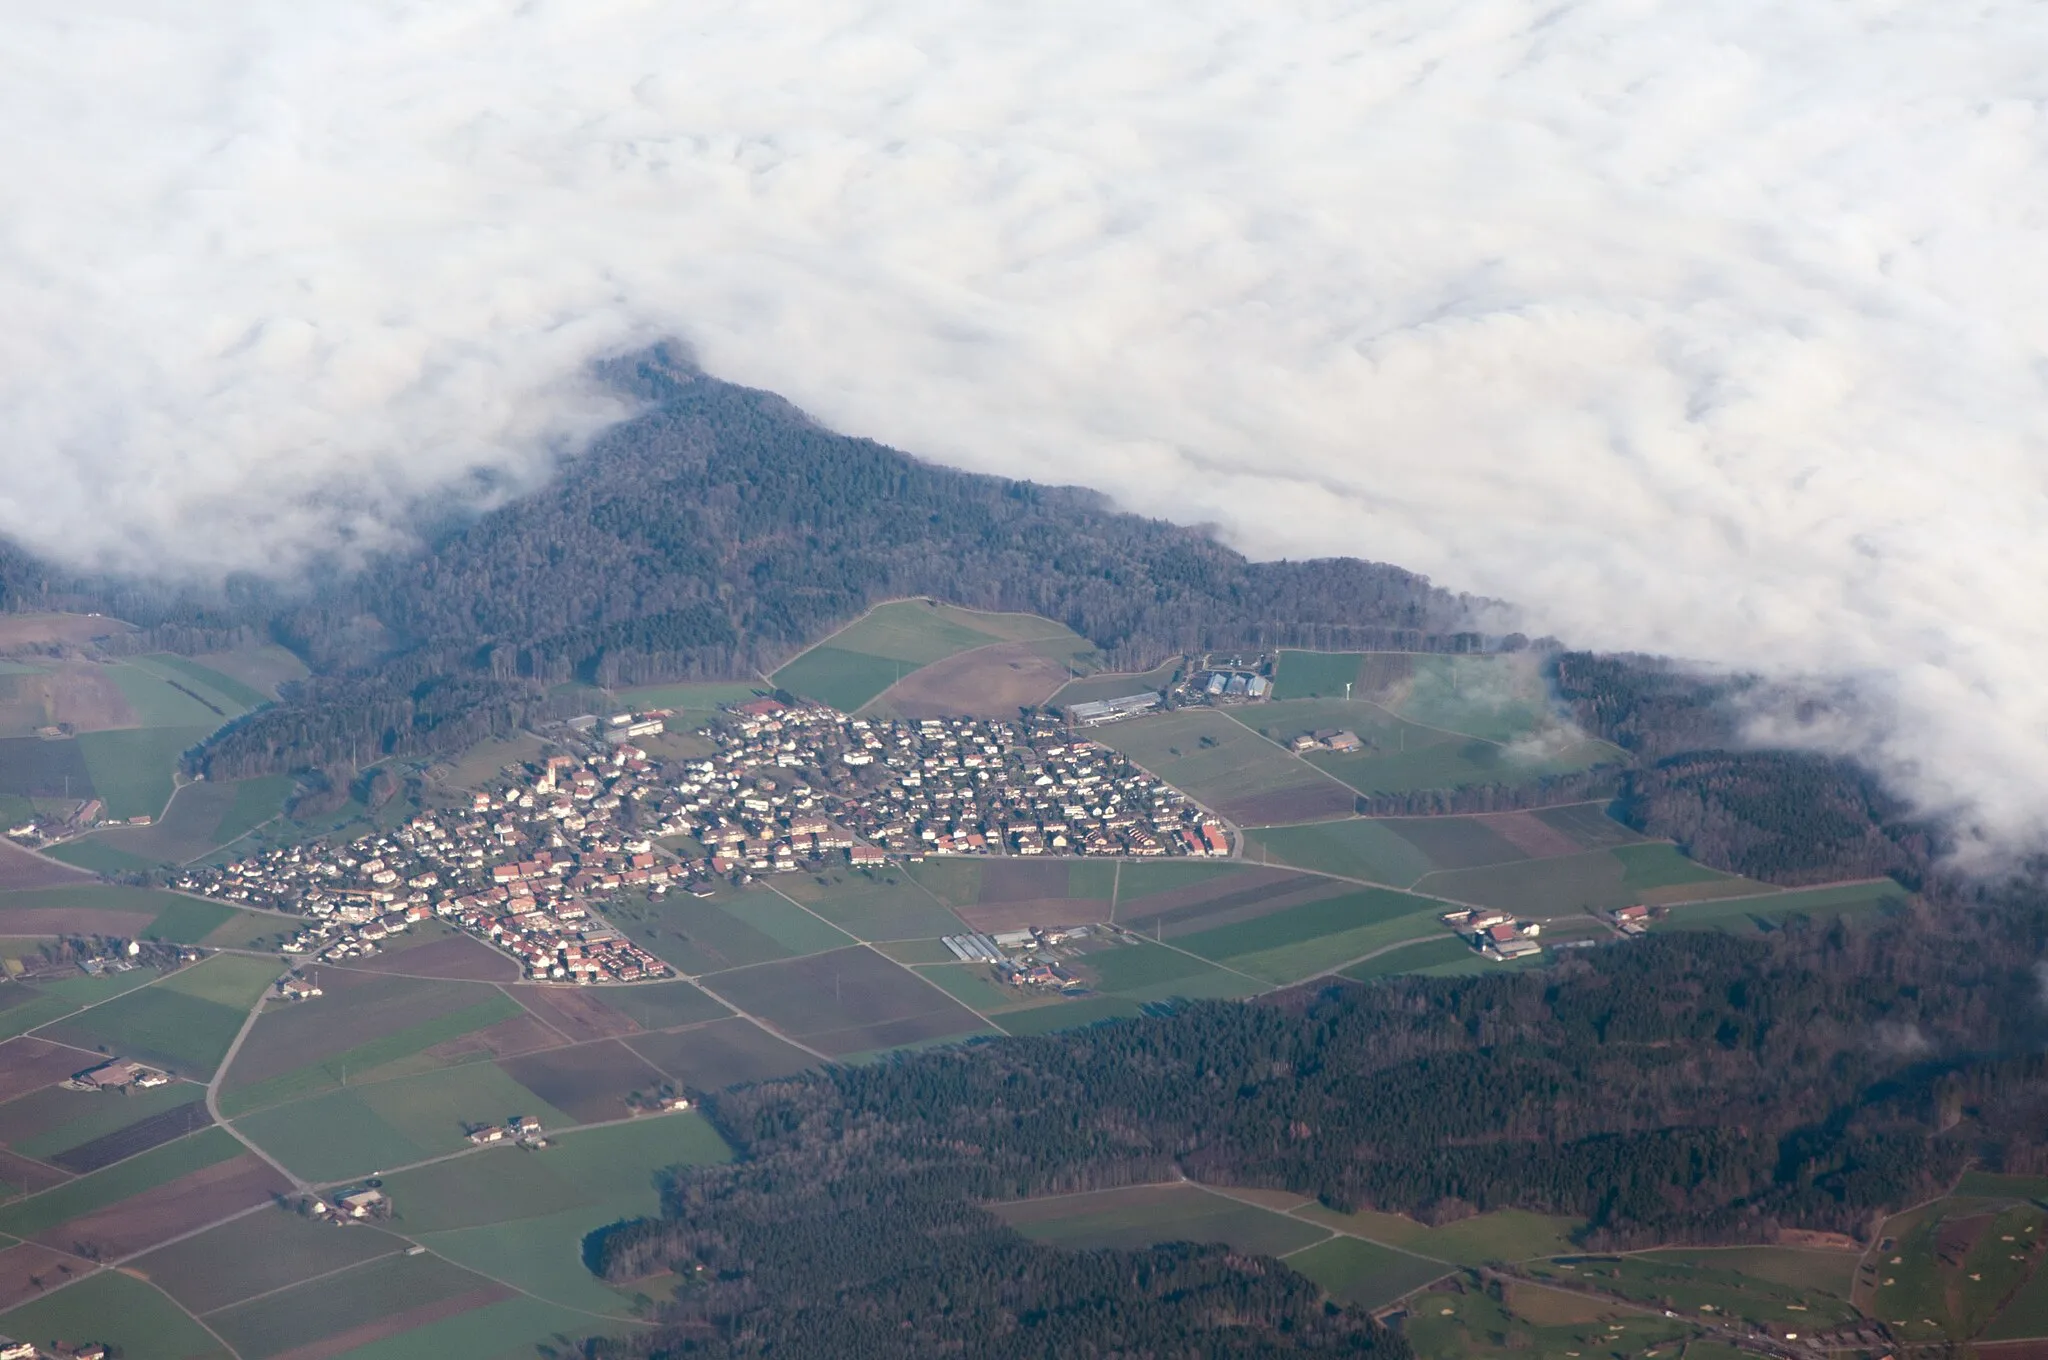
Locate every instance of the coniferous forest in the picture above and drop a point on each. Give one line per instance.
(1681, 1089)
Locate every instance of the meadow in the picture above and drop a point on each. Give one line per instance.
(1227, 766)
(860, 661)
(845, 1002)
(731, 930)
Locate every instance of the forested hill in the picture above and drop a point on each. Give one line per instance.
(711, 537)
(1692, 1088)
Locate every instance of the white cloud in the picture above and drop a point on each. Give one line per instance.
(1710, 328)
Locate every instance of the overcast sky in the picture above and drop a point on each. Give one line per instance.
(1713, 328)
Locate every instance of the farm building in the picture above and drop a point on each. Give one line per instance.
(1109, 710)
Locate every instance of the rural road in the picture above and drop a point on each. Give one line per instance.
(213, 1099)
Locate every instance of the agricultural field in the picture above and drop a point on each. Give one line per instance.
(200, 818)
(132, 769)
(1458, 1320)
(1137, 971)
(995, 681)
(1011, 894)
(1365, 1273)
(721, 1053)
(1961, 1269)
(82, 1131)
(1748, 914)
(1426, 957)
(881, 648)
(183, 1022)
(731, 930)
(1140, 1215)
(888, 904)
(257, 1254)
(1116, 685)
(23, 869)
(118, 1310)
(1504, 1235)
(846, 1002)
(1317, 936)
(133, 913)
(1595, 880)
(358, 1130)
(365, 1027)
(1227, 766)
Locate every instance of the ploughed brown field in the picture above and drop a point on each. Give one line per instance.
(721, 1053)
(847, 1001)
(1530, 834)
(507, 1038)
(141, 1136)
(27, 1174)
(20, 868)
(1036, 911)
(989, 682)
(23, 1266)
(589, 1081)
(1319, 802)
(457, 958)
(171, 1210)
(397, 1324)
(580, 1015)
(1225, 901)
(28, 1064)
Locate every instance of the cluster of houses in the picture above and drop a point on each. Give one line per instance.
(27, 1350)
(522, 865)
(790, 783)
(1496, 934)
(517, 867)
(1013, 956)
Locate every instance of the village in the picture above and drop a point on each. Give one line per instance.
(524, 865)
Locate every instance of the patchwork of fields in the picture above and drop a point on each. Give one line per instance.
(915, 658)
(387, 1073)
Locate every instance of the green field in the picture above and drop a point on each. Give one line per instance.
(1139, 1216)
(384, 1056)
(1588, 824)
(50, 1001)
(731, 930)
(306, 1313)
(1598, 880)
(1209, 755)
(868, 905)
(161, 697)
(1423, 957)
(131, 768)
(1451, 762)
(692, 703)
(873, 652)
(1504, 1235)
(46, 1123)
(1313, 675)
(1153, 972)
(158, 1166)
(118, 1310)
(359, 1130)
(1365, 1273)
(1470, 1324)
(1495, 697)
(1358, 848)
(185, 1035)
(256, 1254)
(1315, 937)
(610, 1170)
(1149, 878)
(1747, 914)
(1095, 688)
(216, 687)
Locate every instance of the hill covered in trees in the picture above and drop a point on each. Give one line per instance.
(1693, 1088)
(721, 530)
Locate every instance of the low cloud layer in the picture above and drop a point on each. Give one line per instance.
(1716, 329)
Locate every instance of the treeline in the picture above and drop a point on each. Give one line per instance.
(1687, 1088)
(1578, 786)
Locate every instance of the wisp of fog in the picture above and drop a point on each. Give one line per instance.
(1716, 329)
